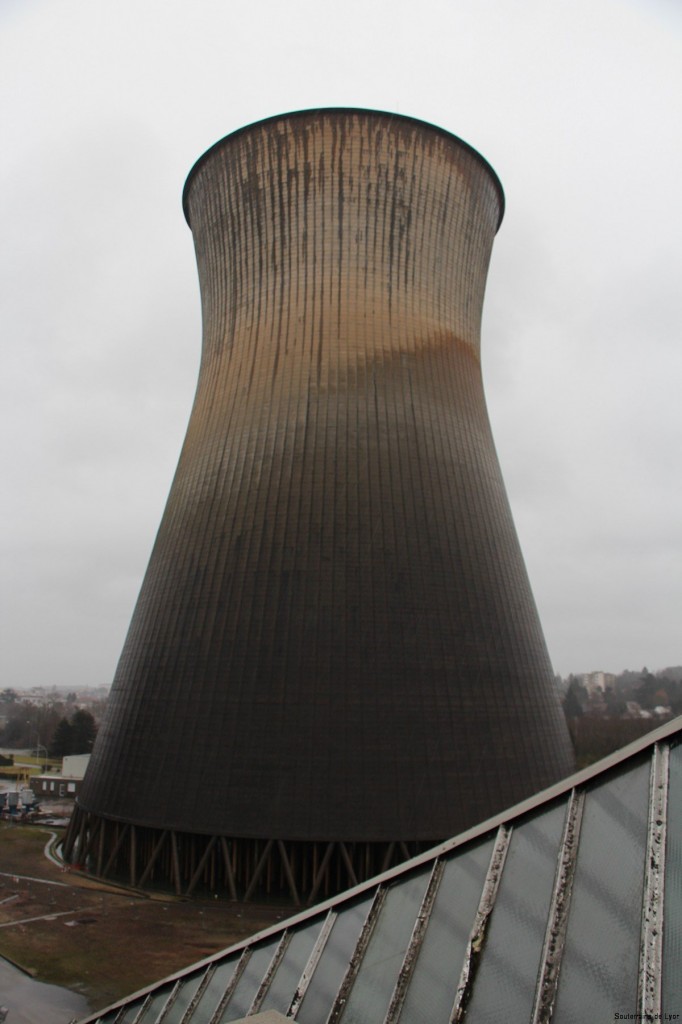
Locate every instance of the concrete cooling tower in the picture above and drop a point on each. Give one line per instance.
(335, 659)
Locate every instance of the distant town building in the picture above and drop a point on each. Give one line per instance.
(598, 682)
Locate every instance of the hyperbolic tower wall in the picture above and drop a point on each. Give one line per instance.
(335, 658)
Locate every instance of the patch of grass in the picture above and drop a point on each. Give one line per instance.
(102, 943)
(19, 843)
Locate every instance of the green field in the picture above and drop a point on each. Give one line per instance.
(100, 940)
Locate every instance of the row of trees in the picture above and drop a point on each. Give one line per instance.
(603, 723)
(75, 735)
(646, 689)
(58, 725)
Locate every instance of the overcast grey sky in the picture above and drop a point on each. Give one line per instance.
(104, 108)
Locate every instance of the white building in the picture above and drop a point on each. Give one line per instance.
(64, 784)
(598, 682)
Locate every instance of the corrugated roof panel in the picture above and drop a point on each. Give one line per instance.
(182, 999)
(672, 932)
(153, 1006)
(371, 993)
(249, 983)
(333, 962)
(552, 912)
(504, 987)
(431, 992)
(133, 1014)
(218, 984)
(285, 982)
(599, 969)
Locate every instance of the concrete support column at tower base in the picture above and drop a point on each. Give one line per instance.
(235, 868)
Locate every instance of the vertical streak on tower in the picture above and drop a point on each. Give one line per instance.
(335, 641)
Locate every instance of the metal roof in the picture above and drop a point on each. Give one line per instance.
(566, 908)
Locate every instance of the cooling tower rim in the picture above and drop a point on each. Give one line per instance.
(405, 118)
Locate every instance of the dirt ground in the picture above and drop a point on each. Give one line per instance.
(102, 941)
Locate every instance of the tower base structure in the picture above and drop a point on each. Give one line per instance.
(241, 869)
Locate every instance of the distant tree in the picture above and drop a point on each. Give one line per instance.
(97, 709)
(20, 730)
(8, 696)
(673, 672)
(646, 691)
(627, 682)
(615, 705)
(84, 732)
(48, 720)
(575, 699)
(62, 741)
(594, 738)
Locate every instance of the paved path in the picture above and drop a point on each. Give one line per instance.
(44, 917)
(30, 1002)
(27, 878)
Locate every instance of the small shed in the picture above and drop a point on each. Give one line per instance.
(62, 785)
